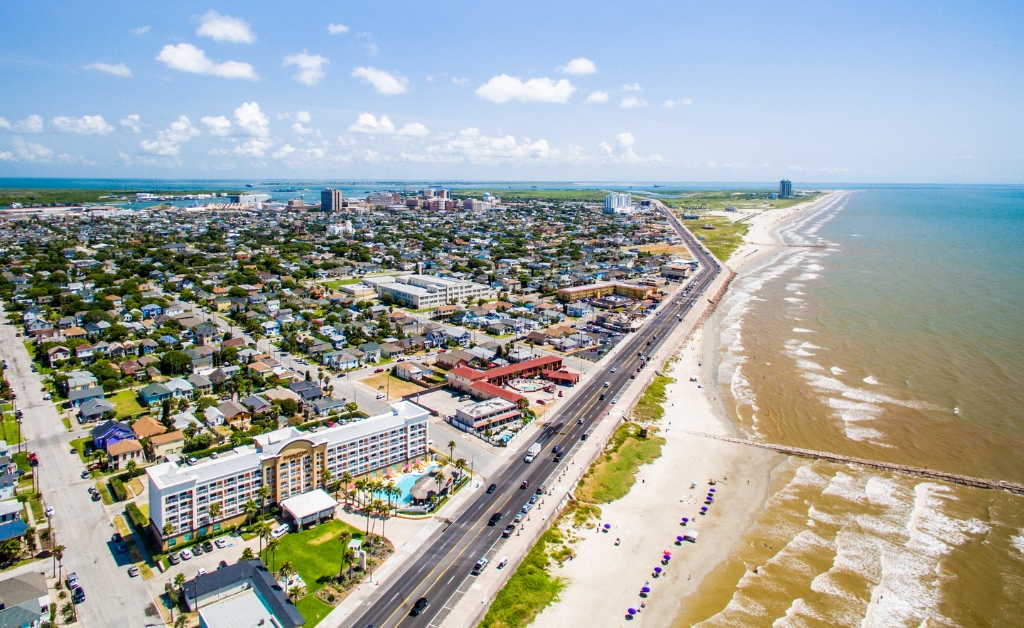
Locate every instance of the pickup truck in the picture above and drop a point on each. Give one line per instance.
(533, 452)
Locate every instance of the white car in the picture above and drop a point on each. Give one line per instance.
(380, 396)
(49, 511)
(614, 369)
(221, 543)
(47, 397)
(186, 555)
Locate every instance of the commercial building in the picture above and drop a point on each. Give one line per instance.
(428, 291)
(487, 414)
(330, 199)
(249, 198)
(598, 290)
(289, 461)
(785, 189)
(243, 594)
(617, 203)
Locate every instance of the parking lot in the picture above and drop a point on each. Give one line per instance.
(598, 351)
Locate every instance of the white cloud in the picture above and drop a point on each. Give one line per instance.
(383, 82)
(31, 152)
(253, 148)
(284, 151)
(369, 124)
(625, 140)
(225, 28)
(132, 122)
(219, 125)
(632, 87)
(337, 29)
(86, 125)
(413, 129)
(310, 67)
(346, 141)
(682, 102)
(31, 124)
(6, 155)
(632, 101)
(142, 30)
(503, 88)
(460, 81)
(303, 116)
(253, 121)
(625, 153)
(472, 146)
(119, 69)
(169, 140)
(188, 58)
(579, 65)
(598, 96)
(301, 130)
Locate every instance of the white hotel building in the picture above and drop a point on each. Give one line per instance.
(428, 291)
(289, 461)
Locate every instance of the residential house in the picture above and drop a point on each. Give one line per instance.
(147, 427)
(326, 405)
(205, 335)
(78, 380)
(121, 452)
(94, 410)
(151, 310)
(180, 388)
(164, 444)
(56, 355)
(411, 371)
(201, 384)
(80, 396)
(341, 360)
(371, 351)
(154, 394)
(110, 432)
(235, 413)
(308, 391)
(24, 600)
(256, 404)
(213, 416)
(84, 353)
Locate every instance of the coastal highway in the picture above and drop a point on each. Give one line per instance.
(439, 571)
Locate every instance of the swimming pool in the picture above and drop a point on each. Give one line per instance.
(406, 481)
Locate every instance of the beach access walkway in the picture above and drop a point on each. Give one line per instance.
(931, 474)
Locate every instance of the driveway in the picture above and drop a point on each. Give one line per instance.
(112, 598)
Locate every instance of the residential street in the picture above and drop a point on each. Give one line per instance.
(113, 599)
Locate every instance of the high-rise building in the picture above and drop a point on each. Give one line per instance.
(785, 189)
(617, 203)
(330, 200)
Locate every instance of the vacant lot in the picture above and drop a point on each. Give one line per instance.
(126, 404)
(314, 553)
(723, 239)
(385, 383)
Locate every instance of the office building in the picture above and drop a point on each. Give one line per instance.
(617, 203)
(288, 461)
(428, 291)
(785, 189)
(330, 200)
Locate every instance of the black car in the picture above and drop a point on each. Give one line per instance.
(584, 437)
(495, 518)
(509, 529)
(222, 564)
(208, 546)
(420, 606)
(559, 456)
(96, 497)
(602, 397)
(492, 488)
(116, 537)
(78, 595)
(557, 449)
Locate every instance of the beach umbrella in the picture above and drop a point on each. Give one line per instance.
(703, 508)
(667, 557)
(711, 490)
(632, 611)
(657, 570)
(607, 526)
(679, 539)
(685, 519)
(646, 589)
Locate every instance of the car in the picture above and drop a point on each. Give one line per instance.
(527, 507)
(479, 566)
(420, 606)
(93, 491)
(116, 537)
(519, 517)
(614, 369)
(49, 511)
(331, 424)
(221, 543)
(492, 488)
(632, 376)
(133, 571)
(579, 421)
(96, 497)
(584, 437)
(214, 455)
(380, 396)
(78, 595)
(85, 475)
(191, 461)
(174, 558)
(607, 384)
(197, 550)
(74, 451)
(200, 572)
(378, 370)
(556, 449)
(603, 396)
(615, 399)
(280, 531)
(72, 580)
(495, 518)
(533, 499)
(559, 456)
(525, 484)
(540, 490)
(47, 397)
(222, 564)
(509, 529)
(208, 547)
(185, 554)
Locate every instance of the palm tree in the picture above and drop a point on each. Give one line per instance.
(181, 621)
(58, 558)
(326, 476)
(346, 480)
(264, 495)
(179, 582)
(460, 465)
(250, 509)
(168, 530)
(389, 491)
(272, 546)
(131, 468)
(385, 511)
(262, 530)
(451, 449)
(360, 486)
(439, 478)
(344, 538)
(214, 511)
(286, 570)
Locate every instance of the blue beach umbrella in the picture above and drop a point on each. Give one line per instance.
(657, 570)
(607, 526)
(632, 611)
(646, 589)
(711, 490)
(679, 539)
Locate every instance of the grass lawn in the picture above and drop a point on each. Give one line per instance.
(126, 404)
(666, 249)
(314, 553)
(334, 285)
(614, 473)
(79, 444)
(398, 387)
(724, 239)
(649, 407)
(11, 430)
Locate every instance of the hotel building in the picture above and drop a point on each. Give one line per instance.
(288, 461)
(428, 291)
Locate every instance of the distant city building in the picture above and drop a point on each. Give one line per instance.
(385, 199)
(249, 198)
(617, 203)
(427, 291)
(330, 199)
(785, 189)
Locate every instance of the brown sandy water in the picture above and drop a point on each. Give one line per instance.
(864, 348)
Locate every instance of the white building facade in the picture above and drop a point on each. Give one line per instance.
(618, 203)
(428, 291)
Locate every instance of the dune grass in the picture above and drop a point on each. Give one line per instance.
(530, 589)
(649, 407)
(614, 472)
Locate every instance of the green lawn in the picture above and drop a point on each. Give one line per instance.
(11, 431)
(334, 285)
(649, 407)
(314, 553)
(724, 239)
(126, 404)
(79, 444)
(614, 473)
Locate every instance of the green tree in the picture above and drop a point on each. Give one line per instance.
(451, 450)
(250, 509)
(247, 554)
(131, 468)
(264, 495)
(214, 511)
(175, 363)
(58, 559)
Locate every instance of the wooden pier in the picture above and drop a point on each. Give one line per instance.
(965, 480)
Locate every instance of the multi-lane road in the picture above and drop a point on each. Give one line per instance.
(439, 571)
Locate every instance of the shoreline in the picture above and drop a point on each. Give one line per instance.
(647, 520)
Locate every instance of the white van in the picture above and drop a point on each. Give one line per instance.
(280, 531)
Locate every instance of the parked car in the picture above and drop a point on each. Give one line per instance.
(96, 497)
(186, 555)
(174, 558)
(133, 571)
(479, 566)
(200, 572)
(197, 550)
(509, 529)
(220, 543)
(208, 546)
(85, 475)
(72, 580)
(222, 564)
(378, 370)
(78, 595)
(495, 518)
(519, 517)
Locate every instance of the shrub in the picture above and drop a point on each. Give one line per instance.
(120, 493)
(139, 520)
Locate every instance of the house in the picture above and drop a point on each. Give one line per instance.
(94, 410)
(270, 328)
(167, 443)
(121, 452)
(255, 404)
(412, 372)
(199, 361)
(148, 346)
(24, 600)
(80, 396)
(341, 360)
(154, 394)
(131, 368)
(390, 350)
(242, 594)
(234, 412)
(180, 389)
(79, 380)
(56, 355)
(371, 351)
(201, 384)
(147, 427)
(309, 391)
(84, 353)
(205, 335)
(213, 416)
(325, 406)
(110, 432)
(151, 310)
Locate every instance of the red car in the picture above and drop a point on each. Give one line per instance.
(378, 370)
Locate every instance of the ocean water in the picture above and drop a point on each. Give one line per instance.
(892, 328)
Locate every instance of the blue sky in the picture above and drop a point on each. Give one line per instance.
(673, 91)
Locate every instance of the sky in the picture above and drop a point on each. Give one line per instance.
(886, 92)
